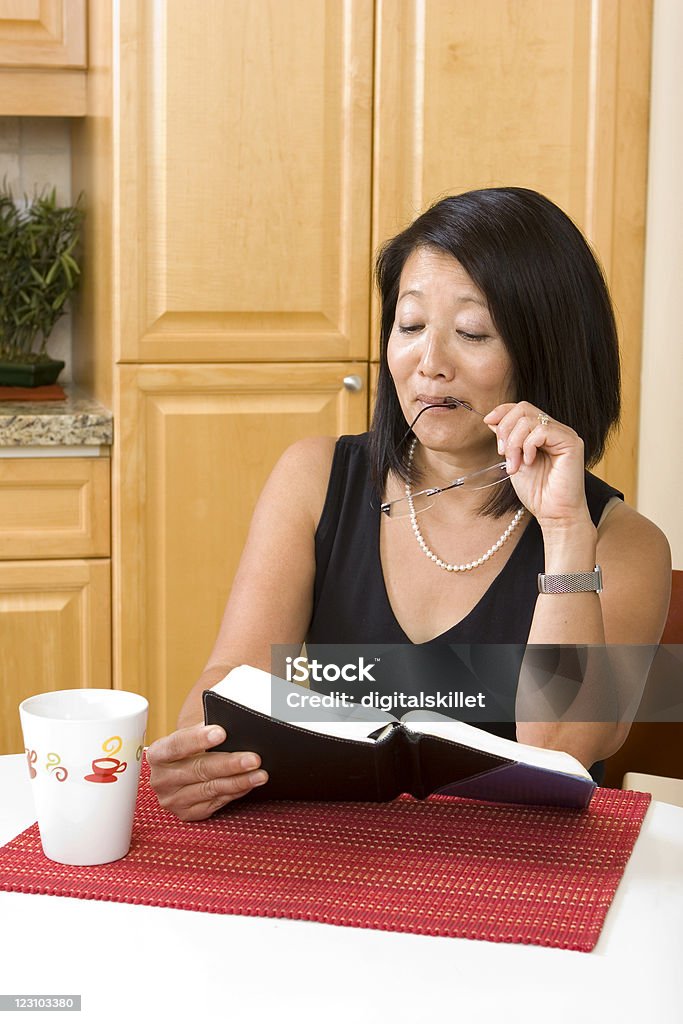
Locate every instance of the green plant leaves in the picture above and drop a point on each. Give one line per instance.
(38, 269)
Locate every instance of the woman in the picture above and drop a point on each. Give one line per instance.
(498, 345)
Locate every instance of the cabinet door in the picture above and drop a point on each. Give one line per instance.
(54, 508)
(244, 197)
(54, 633)
(42, 33)
(550, 96)
(196, 446)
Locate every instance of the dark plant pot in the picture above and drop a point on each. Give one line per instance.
(30, 375)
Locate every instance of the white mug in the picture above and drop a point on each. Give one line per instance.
(83, 750)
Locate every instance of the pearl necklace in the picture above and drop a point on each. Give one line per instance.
(430, 554)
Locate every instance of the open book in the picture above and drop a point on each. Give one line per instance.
(344, 756)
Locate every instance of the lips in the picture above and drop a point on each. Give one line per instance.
(445, 400)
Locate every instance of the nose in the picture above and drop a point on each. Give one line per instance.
(435, 358)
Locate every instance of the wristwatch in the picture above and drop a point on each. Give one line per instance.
(570, 582)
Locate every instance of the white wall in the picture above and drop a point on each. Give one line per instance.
(660, 456)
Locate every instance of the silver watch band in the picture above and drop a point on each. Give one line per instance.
(570, 582)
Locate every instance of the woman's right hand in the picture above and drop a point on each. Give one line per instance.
(194, 782)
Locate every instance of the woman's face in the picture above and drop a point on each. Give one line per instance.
(444, 343)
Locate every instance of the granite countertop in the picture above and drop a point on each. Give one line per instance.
(77, 420)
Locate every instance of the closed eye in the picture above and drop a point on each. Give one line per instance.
(410, 328)
(472, 337)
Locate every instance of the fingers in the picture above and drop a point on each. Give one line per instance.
(521, 430)
(522, 442)
(192, 781)
(199, 801)
(194, 739)
(532, 442)
(204, 768)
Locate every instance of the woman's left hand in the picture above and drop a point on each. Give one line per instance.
(545, 460)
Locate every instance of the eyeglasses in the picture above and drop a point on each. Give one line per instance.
(422, 500)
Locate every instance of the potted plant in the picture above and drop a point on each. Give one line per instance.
(38, 273)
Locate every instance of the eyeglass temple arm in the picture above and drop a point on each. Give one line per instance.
(431, 491)
(451, 403)
(462, 479)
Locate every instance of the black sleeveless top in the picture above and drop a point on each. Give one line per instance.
(351, 605)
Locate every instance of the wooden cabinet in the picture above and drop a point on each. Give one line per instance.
(54, 633)
(54, 508)
(55, 613)
(42, 33)
(243, 160)
(549, 96)
(42, 57)
(231, 270)
(245, 199)
(199, 442)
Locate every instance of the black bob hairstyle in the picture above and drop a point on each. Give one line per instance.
(548, 300)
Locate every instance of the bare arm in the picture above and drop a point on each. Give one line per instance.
(636, 563)
(546, 462)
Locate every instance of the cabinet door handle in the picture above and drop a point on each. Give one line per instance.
(353, 382)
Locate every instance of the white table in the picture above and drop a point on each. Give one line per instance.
(173, 964)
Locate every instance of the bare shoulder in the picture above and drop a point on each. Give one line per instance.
(301, 475)
(636, 561)
(624, 526)
(310, 454)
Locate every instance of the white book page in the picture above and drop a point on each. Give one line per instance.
(471, 736)
(255, 689)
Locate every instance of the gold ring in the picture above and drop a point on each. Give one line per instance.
(543, 419)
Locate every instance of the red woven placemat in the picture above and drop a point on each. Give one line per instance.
(442, 866)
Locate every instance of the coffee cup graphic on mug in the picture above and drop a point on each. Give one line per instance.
(83, 759)
(105, 769)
